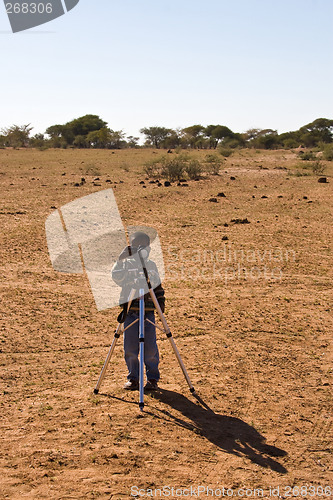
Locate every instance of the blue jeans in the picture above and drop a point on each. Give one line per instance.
(131, 347)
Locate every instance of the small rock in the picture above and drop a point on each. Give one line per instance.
(226, 224)
(264, 196)
(185, 184)
(322, 179)
(221, 195)
(141, 182)
(225, 238)
(182, 180)
(108, 180)
(305, 197)
(232, 178)
(167, 183)
(240, 221)
(214, 200)
(151, 182)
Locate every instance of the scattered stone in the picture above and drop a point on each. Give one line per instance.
(144, 186)
(240, 221)
(182, 180)
(232, 178)
(221, 195)
(151, 182)
(264, 196)
(213, 200)
(77, 184)
(83, 180)
(185, 184)
(97, 179)
(96, 184)
(141, 182)
(225, 238)
(226, 224)
(108, 180)
(121, 182)
(159, 184)
(167, 183)
(322, 180)
(305, 197)
(309, 201)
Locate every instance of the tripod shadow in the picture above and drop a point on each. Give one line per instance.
(230, 434)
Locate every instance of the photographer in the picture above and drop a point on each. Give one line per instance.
(124, 273)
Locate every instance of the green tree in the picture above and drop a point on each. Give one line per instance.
(193, 136)
(155, 136)
(217, 133)
(132, 142)
(78, 128)
(320, 130)
(17, 136)
(38, 141)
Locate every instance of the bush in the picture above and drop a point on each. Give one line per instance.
(328, 152)
(153, 168)
(318, 167)
(173, 169)
(308, 155)
(225, 152)
(193, 169)
(213, 164)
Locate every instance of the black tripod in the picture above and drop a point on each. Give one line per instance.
(140, 283)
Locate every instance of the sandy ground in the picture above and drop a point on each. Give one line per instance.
(251, 316)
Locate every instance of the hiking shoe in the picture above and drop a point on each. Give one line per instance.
(131, 385)
(151, 385)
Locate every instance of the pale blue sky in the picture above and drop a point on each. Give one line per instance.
(174, 63)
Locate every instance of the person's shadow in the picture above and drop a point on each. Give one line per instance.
(230, 434)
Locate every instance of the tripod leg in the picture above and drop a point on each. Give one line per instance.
(169, 335)
(113, 345)
(142, 347)
(107, 360)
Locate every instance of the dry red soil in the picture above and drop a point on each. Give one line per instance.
(250, 309)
